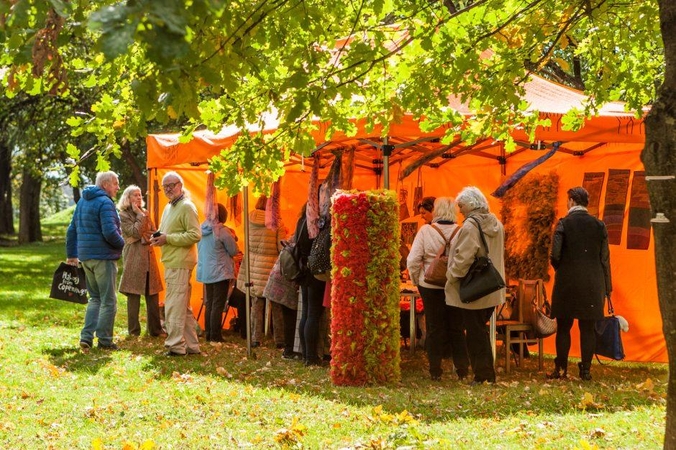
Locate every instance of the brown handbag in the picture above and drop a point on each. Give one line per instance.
(543, 323)
(436, 272)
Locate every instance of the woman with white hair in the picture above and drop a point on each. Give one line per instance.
(468, 244)
(445, 331)
(141, 274)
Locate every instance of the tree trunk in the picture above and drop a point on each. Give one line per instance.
(140, 178)
(29, 216)
(6, 210)
(659, 158)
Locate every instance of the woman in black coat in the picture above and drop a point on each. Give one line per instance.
(581, 258)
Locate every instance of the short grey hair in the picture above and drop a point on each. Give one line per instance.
(473, 198)
(125, 200)
(104, 178)
(444, 209)
(173, 174)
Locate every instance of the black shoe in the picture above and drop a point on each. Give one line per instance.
(173, 353)
(85, 346)
(290, 355)
(477, 382)
(557, 374)
(111, 348)
(585, 374)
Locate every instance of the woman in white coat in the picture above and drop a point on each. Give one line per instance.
(445, 331)
(474, 207)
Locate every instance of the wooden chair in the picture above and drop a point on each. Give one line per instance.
(519, 329)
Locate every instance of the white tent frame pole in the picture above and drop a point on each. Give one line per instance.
(245, 262)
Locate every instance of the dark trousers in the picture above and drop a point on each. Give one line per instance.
(445, 332)
(238, 300)
(154, 324)
(479, 343)
(214, 302)
(289, 323)
(587, 341)
(313, 297)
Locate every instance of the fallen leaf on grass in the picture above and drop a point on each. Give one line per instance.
(647, 385)
(597, 433)
(584, 445)
(53, 370)
(291, 435)
(181, 377)
(588, 402)
(8, 426)
(222, 372)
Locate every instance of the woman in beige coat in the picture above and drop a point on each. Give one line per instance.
(141, 275)
(264, 247)
(474, 207)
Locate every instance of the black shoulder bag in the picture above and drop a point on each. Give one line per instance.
(482, 277)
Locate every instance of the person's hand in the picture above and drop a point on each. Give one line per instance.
(72, 261)
(137, 208)
(158, 241)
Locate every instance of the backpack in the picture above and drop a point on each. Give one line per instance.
(290, 261)
(319, 261)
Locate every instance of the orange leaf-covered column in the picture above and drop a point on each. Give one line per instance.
(365, 288)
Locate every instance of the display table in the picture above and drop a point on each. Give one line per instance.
(411, 292)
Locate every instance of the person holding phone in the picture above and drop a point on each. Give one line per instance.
(178, 235)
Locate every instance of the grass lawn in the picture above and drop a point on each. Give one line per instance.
(53, 396)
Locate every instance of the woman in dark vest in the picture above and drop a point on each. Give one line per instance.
(581, 258)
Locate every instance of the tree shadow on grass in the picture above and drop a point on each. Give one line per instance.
(73, 359)
(525, 389)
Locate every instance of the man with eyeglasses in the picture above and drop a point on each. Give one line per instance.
(178, 233)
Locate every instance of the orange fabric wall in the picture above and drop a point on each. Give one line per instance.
(633, 271)
(294, 194)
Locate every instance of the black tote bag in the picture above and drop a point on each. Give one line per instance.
(482, 277)
(69, 284)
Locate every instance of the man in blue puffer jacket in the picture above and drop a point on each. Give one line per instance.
(94, 238)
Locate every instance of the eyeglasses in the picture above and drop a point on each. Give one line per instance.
(170, 186)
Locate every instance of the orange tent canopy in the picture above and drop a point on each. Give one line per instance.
(612, 140)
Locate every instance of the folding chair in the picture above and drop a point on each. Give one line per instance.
(522, 324)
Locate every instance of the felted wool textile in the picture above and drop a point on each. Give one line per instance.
(365, 288)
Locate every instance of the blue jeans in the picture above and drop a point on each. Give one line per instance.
(101, 277)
